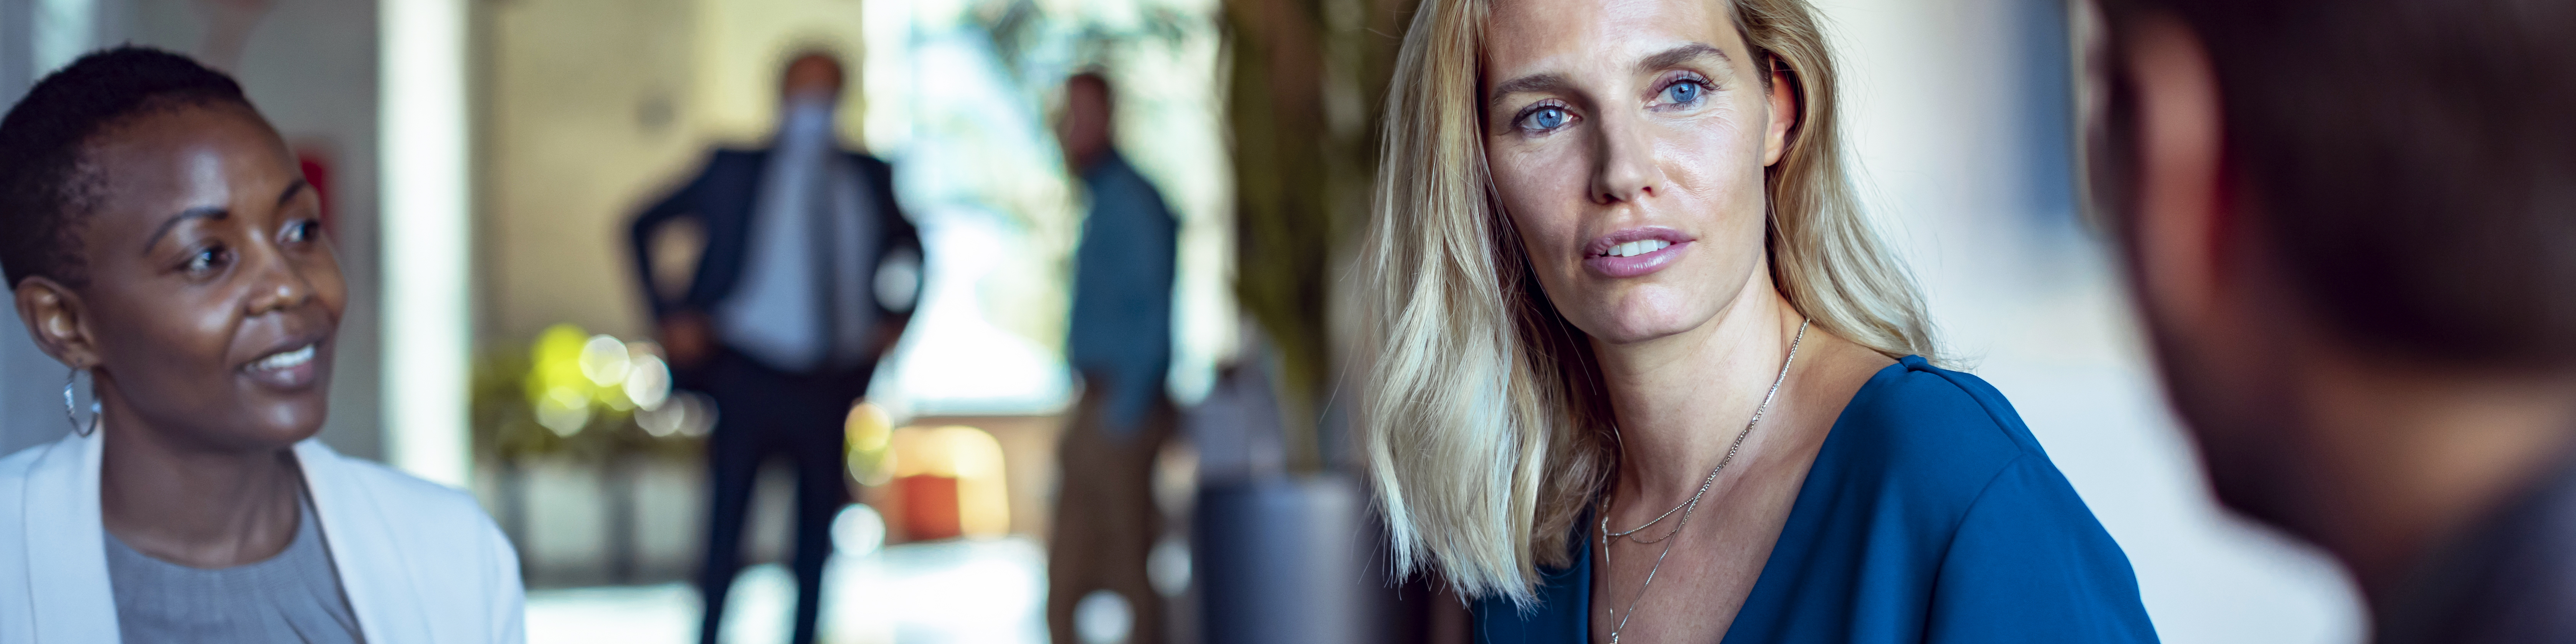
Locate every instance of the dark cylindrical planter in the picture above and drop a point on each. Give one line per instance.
(1283, 561)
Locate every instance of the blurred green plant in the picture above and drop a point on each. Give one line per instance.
(1302, 110)
(590, 397)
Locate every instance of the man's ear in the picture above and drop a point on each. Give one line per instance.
(2180, 198)
(58, 321)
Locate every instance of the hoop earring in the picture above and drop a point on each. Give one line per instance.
(71, 406)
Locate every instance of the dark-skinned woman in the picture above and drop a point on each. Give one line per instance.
(158, 236)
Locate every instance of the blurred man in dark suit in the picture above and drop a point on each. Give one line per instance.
(806, 280)
(2350, 226)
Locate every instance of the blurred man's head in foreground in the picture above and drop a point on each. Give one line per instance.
(2351, 228)
(1083, 126)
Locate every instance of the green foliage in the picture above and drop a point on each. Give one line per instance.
(539, 401)
(1303, 114)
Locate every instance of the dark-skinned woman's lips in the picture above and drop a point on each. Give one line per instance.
(294, 368)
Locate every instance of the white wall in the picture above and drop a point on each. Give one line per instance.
(31, 410)
(30, 383)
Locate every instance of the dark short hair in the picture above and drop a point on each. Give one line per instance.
(46, 184)
(825, 53)
(1095, 79)
(2412, 163)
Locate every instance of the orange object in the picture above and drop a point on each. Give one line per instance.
(928, 508)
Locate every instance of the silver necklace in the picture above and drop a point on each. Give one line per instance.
(1687, 508)
(1721, 463)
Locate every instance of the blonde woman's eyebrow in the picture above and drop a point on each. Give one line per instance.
(1551, 82)
(1533, 83)
(1674, 57)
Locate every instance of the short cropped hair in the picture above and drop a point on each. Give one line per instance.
(1095, 79)
(2412, 163)
(47, 185)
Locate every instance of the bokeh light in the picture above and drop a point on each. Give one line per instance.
(871, 431)
(648, 379)
(682, 413)
(576, 378)
(564, 411)
(603, 360)
(1103, 617)
(858, 530)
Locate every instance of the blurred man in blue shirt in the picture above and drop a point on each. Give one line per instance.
(1120, 342)
(1121, 337)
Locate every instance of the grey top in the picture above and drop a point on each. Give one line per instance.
(292, 597)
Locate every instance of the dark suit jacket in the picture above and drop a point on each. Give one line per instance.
(721, 200)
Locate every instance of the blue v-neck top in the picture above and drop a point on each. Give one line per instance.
(1930, 515)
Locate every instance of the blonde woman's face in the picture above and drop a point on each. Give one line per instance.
(1627, 141)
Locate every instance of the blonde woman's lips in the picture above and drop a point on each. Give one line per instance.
(1634, 252)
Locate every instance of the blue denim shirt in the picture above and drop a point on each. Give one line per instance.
(1122, 291)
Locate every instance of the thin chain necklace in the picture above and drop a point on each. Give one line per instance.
(1687, 508)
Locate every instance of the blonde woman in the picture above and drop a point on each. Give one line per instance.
(1643, 374)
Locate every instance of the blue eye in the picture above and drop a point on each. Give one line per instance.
(1547, 118)
(1683, 93)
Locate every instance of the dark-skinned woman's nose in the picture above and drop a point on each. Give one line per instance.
(279, 283)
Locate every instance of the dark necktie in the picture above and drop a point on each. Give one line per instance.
(825, 234)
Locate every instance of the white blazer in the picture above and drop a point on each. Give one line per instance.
(420, 562)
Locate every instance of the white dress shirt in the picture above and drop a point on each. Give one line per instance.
(779, 313)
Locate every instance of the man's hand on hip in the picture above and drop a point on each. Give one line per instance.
(688, 337)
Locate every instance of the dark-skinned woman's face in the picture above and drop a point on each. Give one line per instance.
(212, 296)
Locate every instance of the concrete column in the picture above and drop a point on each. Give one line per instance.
(428, 332)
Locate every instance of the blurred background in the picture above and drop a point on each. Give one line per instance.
(481, 161)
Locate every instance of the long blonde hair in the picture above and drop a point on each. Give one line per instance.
(1485, 422)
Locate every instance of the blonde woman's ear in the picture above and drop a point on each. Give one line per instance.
(1784, 115)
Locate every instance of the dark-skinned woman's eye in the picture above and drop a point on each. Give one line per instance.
(301, 231)
(1544, 118)
(206, 260)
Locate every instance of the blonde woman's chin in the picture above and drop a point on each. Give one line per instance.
(1648, 313)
